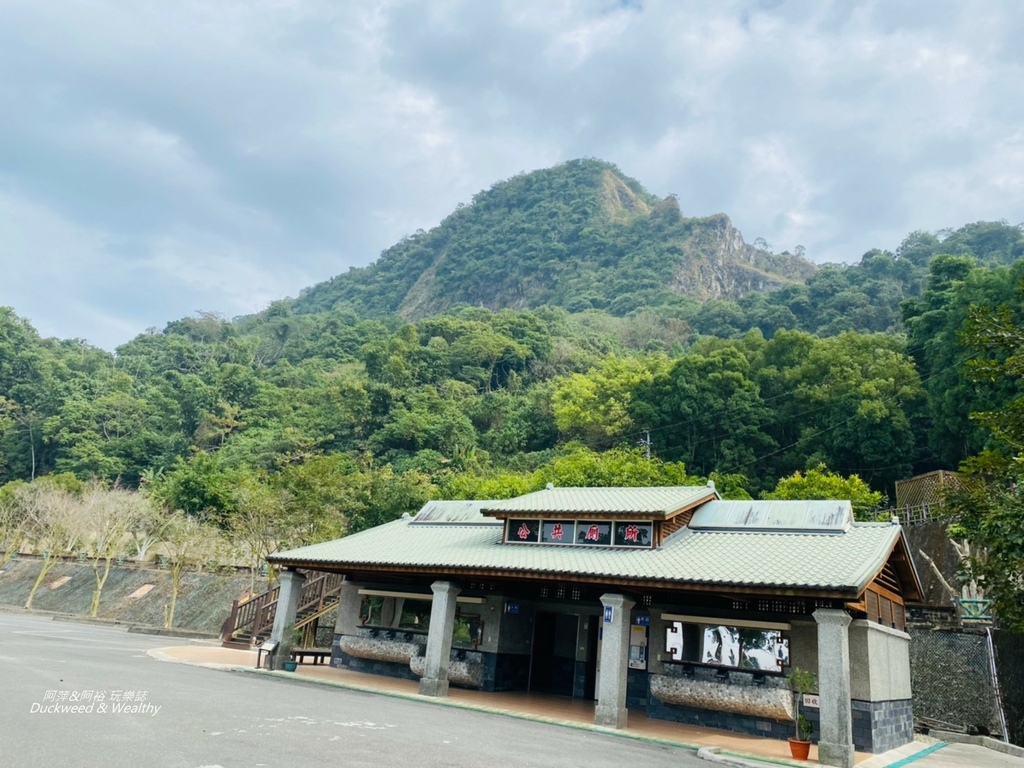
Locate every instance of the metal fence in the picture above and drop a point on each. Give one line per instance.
(952, 680)
(1009, 652)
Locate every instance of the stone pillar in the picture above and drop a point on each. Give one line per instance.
(611, 694)
(287, 607)
(836, 744)
(349, 603)
(439, 639)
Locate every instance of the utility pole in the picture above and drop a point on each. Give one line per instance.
(645, 442)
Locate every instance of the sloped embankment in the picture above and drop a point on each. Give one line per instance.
(132, 595)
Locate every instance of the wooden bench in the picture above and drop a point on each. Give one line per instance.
(318, 654)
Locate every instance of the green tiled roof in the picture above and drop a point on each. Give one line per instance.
(656, 502)
(836, 562)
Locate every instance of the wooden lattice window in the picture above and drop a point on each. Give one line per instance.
(871, 603)
(899, 617)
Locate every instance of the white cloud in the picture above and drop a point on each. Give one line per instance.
(169, 158)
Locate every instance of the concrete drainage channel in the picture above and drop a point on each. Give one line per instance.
(902, 757)
(716, 755)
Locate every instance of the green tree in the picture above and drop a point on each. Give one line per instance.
(198, 487)
(596, 407)
(987, 509)
(820, 483)
(578, 466)
(706, 410)
(378, 496)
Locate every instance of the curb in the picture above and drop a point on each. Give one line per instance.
(717, 755)
(188, 634)
(979, 741)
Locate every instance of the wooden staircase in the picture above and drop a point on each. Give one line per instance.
(252, 619)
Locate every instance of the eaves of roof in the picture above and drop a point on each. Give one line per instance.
(788, 562)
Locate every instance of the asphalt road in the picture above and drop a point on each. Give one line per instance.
(134, 711)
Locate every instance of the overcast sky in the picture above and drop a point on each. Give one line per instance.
(160, 158)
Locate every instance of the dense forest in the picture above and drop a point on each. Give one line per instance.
(580, 236)
(341, 409)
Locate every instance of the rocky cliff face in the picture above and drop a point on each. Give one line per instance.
(580, 235)
(717, 263)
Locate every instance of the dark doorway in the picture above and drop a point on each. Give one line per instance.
(593, 624)
(553, 664)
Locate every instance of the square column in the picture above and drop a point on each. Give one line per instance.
(439, 639)
(836, 744)
(611, 693)
(287, 607)
(349, 603)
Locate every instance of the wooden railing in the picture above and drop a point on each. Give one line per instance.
(253, 618)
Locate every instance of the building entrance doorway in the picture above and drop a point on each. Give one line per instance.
(553, 665)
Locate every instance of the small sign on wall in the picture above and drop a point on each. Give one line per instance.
(811, 700)
(609, 614)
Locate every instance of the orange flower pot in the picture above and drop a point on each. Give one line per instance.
(799, 749)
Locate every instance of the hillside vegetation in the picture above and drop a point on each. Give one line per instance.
(580, 235)
(413, 379)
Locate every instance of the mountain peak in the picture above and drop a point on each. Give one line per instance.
(580, 235)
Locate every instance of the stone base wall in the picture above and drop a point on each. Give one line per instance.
(579, 680)
(737, 694)
(465, 668)
(740, 706)
(879, 726)
(397, 655)
(343, 660)
(637, 688)
(506, 671)
(725, 721)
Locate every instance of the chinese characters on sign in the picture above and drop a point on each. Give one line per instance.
(591, 533)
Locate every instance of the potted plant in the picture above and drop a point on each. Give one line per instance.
(290, 638)
(801, 681)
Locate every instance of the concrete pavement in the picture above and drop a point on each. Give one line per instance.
(194, 718)
(712, 745)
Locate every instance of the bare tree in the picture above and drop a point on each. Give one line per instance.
(111, 517)
(188, 543)
(14, 525)
(255, 525)
(146, 529)
(55, 526)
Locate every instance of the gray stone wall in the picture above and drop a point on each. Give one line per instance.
(204, 599)
(506, 671)
(879, 662)
(738, 695)
(343, 660)
(882, 725)
(637, 688)
(399, 654)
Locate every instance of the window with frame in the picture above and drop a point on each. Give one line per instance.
(752, 649)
